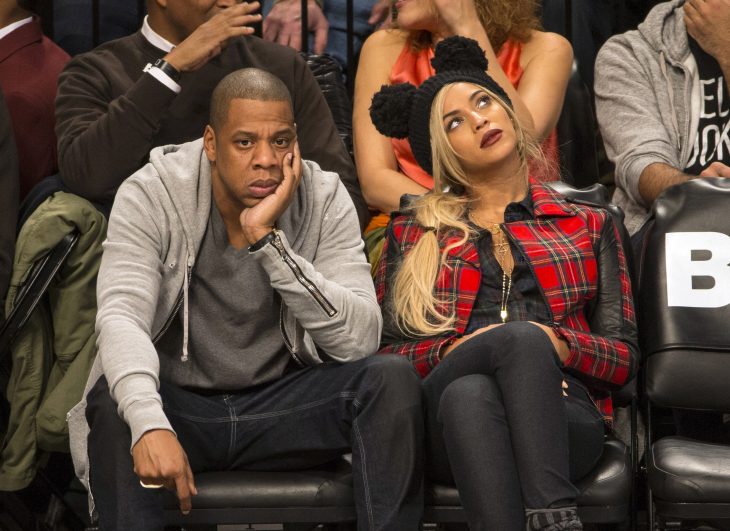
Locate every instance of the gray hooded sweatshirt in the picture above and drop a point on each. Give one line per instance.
(160, 214)
(647, 101)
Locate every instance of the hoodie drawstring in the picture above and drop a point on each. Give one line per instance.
(673, 113)
(186, 286)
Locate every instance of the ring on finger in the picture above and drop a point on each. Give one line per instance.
(150, 485)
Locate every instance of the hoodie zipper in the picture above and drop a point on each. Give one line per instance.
(326, 305)
(175, 309)
(288, 343)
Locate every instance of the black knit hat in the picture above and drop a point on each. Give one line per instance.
(402, 110)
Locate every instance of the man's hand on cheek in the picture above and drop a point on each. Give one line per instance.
(259, 220)
(707, 22)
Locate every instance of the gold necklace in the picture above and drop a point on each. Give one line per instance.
(501, 250)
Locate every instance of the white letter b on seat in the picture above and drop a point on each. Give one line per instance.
(681, 268)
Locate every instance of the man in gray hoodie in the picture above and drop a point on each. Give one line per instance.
(663, 104)
(236, 320)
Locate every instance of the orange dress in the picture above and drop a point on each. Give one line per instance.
(415, 67)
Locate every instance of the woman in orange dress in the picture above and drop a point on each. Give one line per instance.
(533, 67)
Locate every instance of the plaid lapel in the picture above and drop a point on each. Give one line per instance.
(558, 245)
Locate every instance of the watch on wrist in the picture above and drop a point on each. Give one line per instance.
(168, 69)
(268, 238)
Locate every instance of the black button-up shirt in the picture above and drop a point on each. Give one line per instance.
(525, 302)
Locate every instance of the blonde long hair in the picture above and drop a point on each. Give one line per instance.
(418, 312)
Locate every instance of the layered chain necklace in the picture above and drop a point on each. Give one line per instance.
(501, 250)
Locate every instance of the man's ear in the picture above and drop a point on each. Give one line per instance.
(209, 143)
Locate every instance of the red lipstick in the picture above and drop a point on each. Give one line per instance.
(490, 137)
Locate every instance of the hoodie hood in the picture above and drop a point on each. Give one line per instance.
(664, 30)
(184, 171)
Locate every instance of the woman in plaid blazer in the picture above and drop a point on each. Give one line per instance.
(513, 304)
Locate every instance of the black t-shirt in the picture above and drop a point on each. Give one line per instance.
(712, 138)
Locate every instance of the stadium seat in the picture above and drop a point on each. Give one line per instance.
(685, 293)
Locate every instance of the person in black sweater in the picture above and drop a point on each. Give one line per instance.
(152, 88)
(9, 185)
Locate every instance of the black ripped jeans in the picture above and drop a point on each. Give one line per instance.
(500, 429)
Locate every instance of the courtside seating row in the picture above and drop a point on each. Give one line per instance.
(684, 364)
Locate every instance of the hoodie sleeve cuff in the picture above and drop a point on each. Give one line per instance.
(144, 416)
(140, 405)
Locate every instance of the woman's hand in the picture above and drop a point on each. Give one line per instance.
(459, 17)
(560, 345)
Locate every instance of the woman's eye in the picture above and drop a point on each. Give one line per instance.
(453, 124)
(483, 101)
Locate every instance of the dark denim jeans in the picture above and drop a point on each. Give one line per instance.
(498, 427)
(370, 407)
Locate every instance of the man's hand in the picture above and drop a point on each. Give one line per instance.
(258, 221)
(716, 169)
(380, 15)
(209, 39)
(283, 24)
(708, 22)
(160, 460)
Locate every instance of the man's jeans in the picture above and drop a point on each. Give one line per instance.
(370, 407)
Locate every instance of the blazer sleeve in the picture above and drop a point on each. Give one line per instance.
(608, 354)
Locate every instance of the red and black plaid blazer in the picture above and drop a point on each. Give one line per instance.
(578, 262)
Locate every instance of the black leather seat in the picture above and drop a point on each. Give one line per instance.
(605, 493)
(326, 495)
(690, 471)
(686, 346)
(323, 495)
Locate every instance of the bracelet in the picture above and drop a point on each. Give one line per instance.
(168, 69)
(263, 241)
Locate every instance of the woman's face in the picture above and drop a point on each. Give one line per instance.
(478, 128)
(415, 15)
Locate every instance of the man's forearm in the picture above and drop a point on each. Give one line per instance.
(657, 177)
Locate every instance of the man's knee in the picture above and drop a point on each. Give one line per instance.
(392, 375)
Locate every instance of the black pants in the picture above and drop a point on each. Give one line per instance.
(499, 428)
(371, 407)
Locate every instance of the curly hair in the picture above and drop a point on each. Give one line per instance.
(502, 19)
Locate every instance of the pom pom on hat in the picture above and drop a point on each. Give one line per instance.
(458, 53)
(403, 111)
(391, 109)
